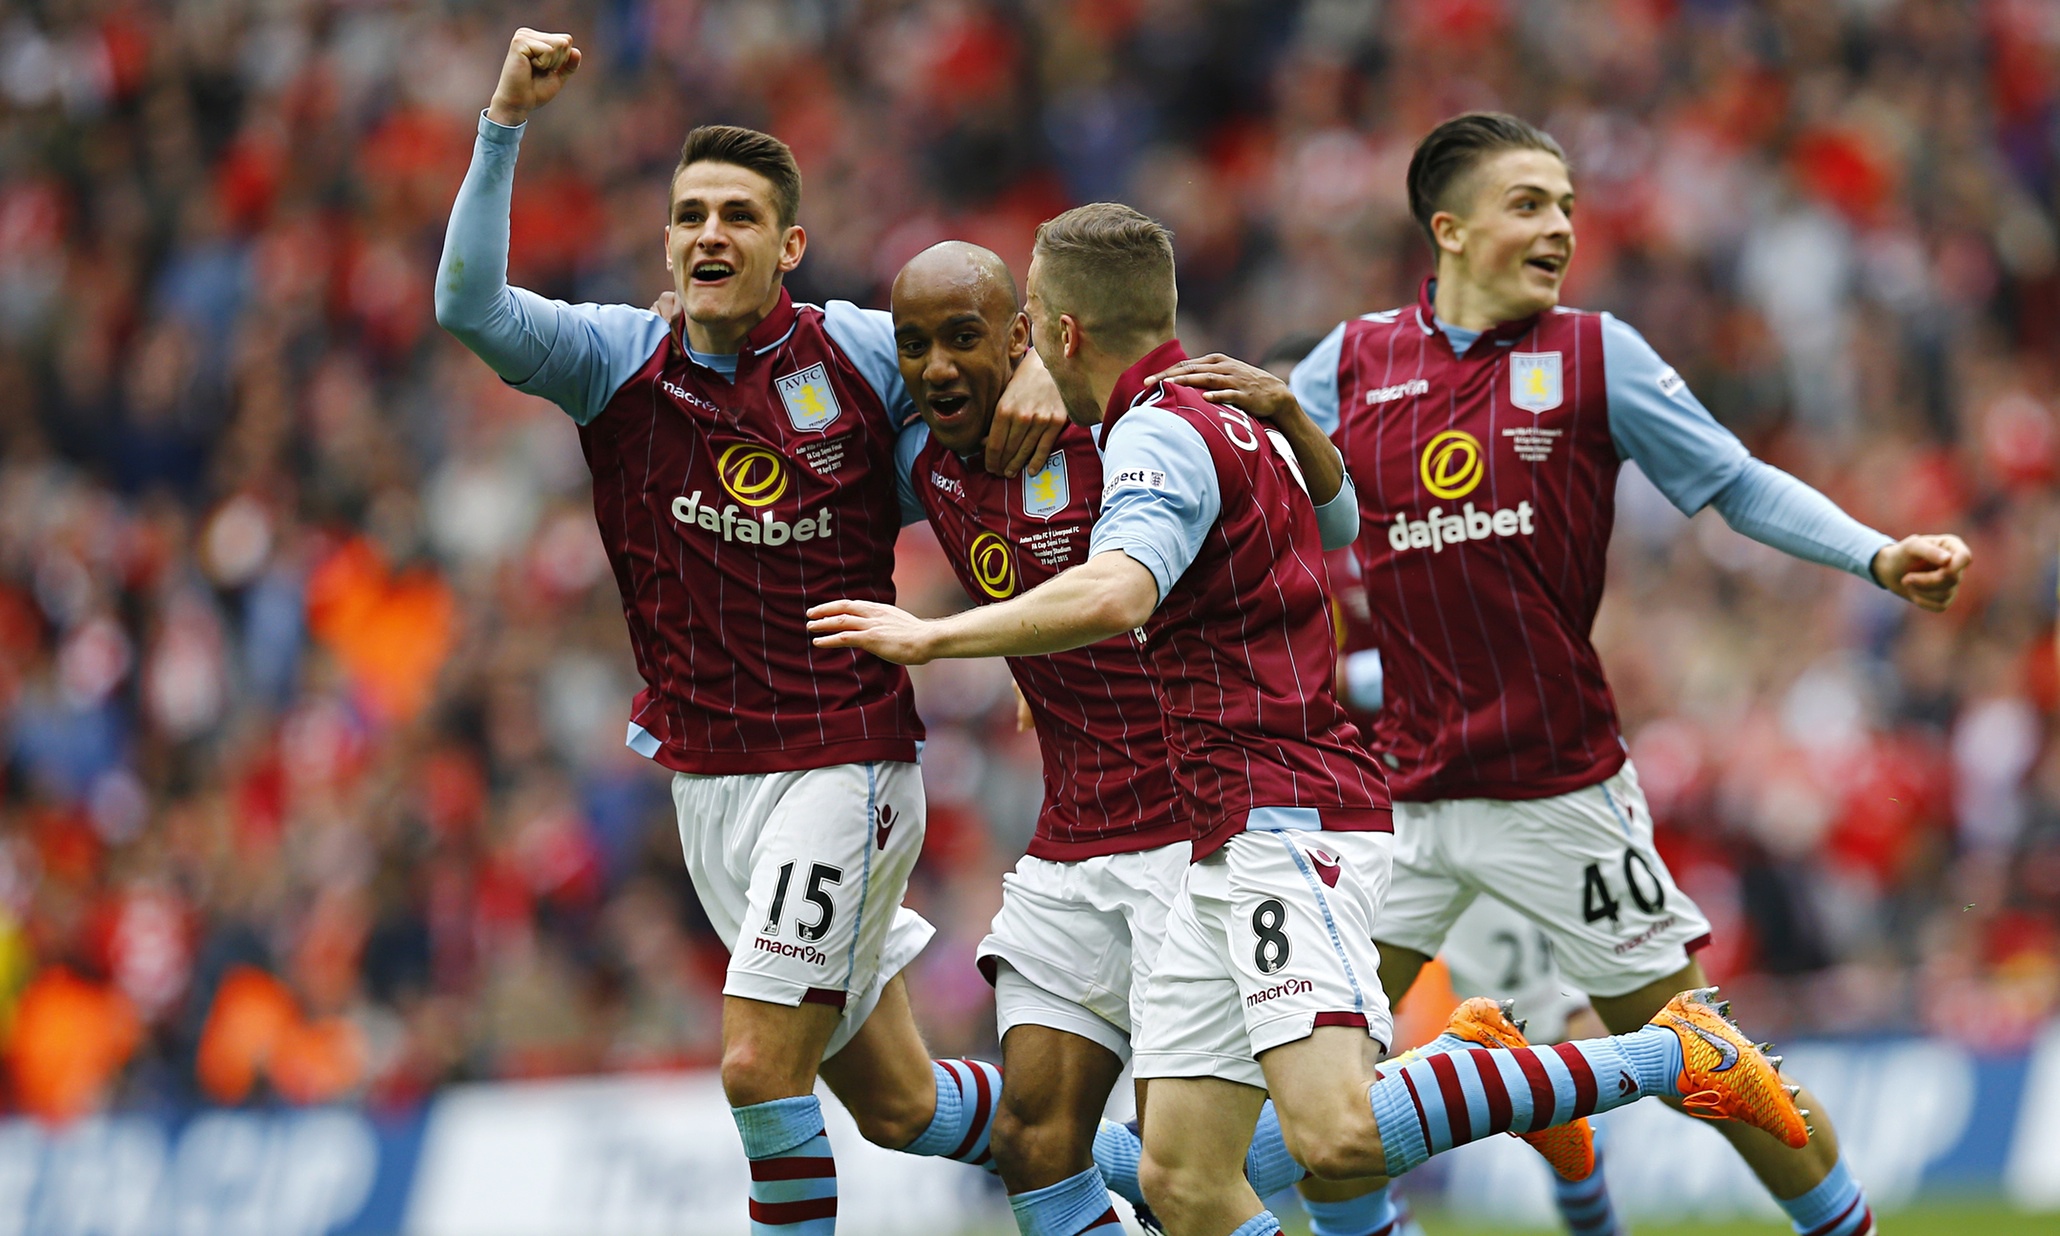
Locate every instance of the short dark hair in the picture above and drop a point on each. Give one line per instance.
(1448, 152)
(753, 151)
(1109, 266)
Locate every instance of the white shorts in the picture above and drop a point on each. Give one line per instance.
(1581, 866)
(1074, 941)
(1272, 938)
(802, 875)
(1494, 951)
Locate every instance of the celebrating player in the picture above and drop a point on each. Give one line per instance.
(1083, 912)
(1485, 426)
(1209, 544)
(743, 469)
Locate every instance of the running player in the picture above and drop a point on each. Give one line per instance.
(1486, 425)
(743, 467)
(1082, 914)
(1209, 545)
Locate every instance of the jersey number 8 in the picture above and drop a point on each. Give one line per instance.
(1271, 951)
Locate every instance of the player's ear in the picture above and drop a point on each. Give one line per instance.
(1071, 337)
(1019, 337)
(1449, 230)
(792, 246)
(666, 241)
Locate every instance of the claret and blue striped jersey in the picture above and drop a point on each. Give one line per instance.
(1486, 465)
(1241, 644)
(1108, 783)
(733, 492)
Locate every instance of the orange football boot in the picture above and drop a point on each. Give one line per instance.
(1569, 1148)
(1726, 1077)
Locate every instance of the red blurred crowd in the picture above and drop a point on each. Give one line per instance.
(314, 679)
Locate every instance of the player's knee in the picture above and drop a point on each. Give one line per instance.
(752, 1074)
(1334, 1145)
(1171, 1191)
(1031, 1146)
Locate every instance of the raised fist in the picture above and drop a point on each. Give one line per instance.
(536, 67)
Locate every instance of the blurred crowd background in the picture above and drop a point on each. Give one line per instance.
(314, 677)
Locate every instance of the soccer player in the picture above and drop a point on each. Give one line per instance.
(1485, 426)
(1082, 914)
(1209, 548)
(743, 469)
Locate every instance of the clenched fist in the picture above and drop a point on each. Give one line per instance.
(1923, 570)
(531, 76)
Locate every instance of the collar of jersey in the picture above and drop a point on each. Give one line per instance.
(764, 337)
(1427, 322)
(1131, 384)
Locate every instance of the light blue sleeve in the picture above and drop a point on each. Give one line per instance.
(1338, 519)
(1160, 495)
(906, 448)
(1656, 420)
(576, 356)
(1315, 380)
(866, 337)
(1776, 509)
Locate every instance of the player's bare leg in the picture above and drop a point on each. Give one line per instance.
(883, 1074)
(902, 1099)
(1053, 1090)
(1196, 1131)
(1319, 1088)
(1786, 1173)
(772, 1051)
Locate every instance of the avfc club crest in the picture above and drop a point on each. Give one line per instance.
(811, 404)
(1045, 492)
(1534, 381)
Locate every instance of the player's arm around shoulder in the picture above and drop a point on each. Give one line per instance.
(574, 355)
(1107, 595)
(1658, 423)
(1229, 382)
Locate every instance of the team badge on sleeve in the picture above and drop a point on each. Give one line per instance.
(1045, 491)
(1534, 381)
(812, 405)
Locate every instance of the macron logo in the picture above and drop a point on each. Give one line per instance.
(1400, 390)
(686, 396)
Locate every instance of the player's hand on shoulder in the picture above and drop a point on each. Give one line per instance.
(537, 67)
(1027, 422)
(667, 306)
(887, 632)
(1924, 570)
(1226, 379)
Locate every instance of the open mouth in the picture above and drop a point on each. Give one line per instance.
(949, 406)
(712, 271)
(1550, 263)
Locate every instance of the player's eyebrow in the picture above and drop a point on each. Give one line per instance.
(1541, 191)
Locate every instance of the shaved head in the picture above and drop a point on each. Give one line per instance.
(958, 335)
(961, 271)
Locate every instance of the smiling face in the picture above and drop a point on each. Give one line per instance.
(1510, 233)
(727, 250)
(959, 336)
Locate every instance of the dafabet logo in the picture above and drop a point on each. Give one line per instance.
(755, 477)
(1453, 463)
(993, 566)
(1452, 467)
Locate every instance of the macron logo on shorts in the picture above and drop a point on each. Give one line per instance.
(1293, 987)
(888, 819)
(803, 952)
